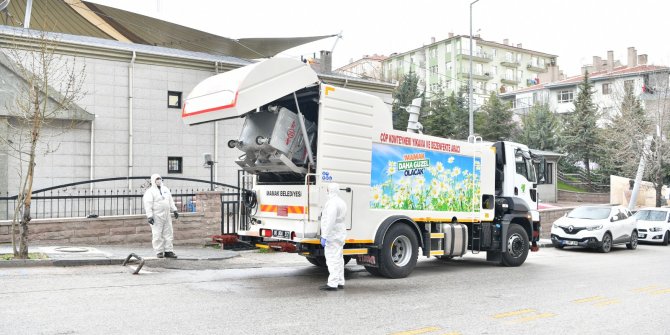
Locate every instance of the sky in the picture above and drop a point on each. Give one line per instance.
(573, 30)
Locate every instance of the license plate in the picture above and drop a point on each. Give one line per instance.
(642, 236)
(570, 242)
(281, 234)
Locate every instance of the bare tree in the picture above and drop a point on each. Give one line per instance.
(43, 108)
(634, 120)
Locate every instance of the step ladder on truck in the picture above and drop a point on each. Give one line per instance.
(405, 191)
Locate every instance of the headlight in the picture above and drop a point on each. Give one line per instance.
(655, 229)
(555, 225)
(594, 227)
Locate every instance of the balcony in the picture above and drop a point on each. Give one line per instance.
(509, 80)
(476, 56)
(465, 74)
(536, 68)
(509, 62)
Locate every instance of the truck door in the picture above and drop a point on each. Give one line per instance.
(525, 178)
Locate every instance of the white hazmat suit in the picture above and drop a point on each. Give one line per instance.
(158, 205)
(334, 231)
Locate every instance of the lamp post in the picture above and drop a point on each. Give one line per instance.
(470, 120)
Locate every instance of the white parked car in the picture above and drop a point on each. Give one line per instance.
(597, 226)
(653, 225)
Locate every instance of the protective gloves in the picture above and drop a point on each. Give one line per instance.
(176, 215)
(151, 220)
(323, 242)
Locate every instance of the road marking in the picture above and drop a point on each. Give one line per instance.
(418, 331)
(515, 313)
(535, 317)
(589, 299)
(607, 302)
(645, 289)
(663, 291)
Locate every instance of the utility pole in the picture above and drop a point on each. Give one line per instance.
(471, 117)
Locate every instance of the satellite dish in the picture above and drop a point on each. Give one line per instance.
(3, 4)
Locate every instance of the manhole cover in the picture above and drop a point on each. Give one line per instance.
(71, 249)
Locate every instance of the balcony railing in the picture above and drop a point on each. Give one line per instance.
(536, 67)
(509, 62)
(476, 56)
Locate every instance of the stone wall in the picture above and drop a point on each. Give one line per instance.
(190, 229)
(589, 198)
(547, 218)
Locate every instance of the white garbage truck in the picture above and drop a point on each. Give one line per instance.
(407, 193)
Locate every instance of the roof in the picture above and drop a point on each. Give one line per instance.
(507, 46)
(622, 71)
(84, 18)
(547, 153)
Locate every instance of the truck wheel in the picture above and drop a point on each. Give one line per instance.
(517, 246)
(373, 271)
(632, 245)
(319, 261)
(607, 243)
(399, 251)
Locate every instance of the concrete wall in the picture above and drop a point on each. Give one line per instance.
(190, 229)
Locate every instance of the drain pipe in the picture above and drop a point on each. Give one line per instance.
(131, 71)
(216, 135)
(92, 165)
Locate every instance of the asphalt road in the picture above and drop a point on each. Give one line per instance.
(556, 291)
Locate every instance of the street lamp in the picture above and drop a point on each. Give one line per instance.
(471, 122)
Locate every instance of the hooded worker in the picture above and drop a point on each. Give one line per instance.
(333, 233)
(158, 204)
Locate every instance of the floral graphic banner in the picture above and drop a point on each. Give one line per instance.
(417, 179)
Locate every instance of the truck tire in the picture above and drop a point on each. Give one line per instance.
(319, 261)
(373, 271)
(399, 252)
(517, 246)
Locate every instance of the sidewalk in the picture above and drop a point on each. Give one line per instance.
(108, 255)
(116, 255)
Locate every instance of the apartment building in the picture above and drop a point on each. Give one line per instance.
(367, 67)
(496, 67)
(610, 78)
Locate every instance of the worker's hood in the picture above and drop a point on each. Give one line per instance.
(153, 179)
(235, 93)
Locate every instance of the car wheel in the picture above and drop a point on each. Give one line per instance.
(666, 238)
(557, 245)
(607, 243)
(632, 245)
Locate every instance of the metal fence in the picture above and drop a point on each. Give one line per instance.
(77, 200)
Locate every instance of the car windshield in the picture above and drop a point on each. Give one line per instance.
(650, 215)
(591, 213)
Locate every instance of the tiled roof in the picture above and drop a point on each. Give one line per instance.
(621, 71)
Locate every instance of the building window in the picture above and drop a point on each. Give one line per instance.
(449, 67)
(607, 89)
(174, 99)
(494, 70)
(549, 174)
(494, 53)
(564, 96)
(628, 85)
(449, 47)
(174, 165)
